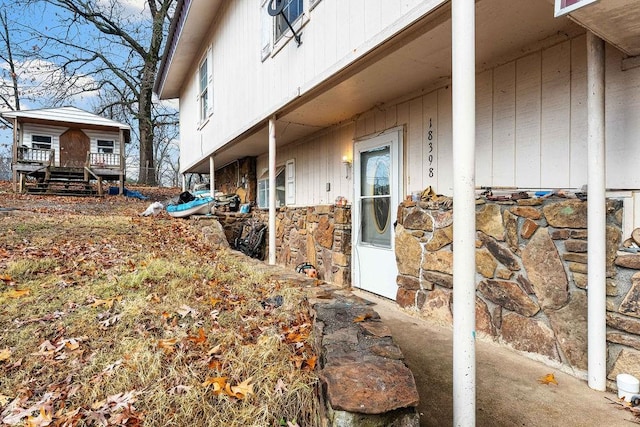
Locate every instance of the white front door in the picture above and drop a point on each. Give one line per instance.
(377, 176)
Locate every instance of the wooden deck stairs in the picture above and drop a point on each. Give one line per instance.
(63, 181)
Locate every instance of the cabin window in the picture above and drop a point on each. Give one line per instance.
(105, 146)
(285, 186)
(41, 141)
(292, 10)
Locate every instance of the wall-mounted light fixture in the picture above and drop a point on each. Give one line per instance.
(347, 165)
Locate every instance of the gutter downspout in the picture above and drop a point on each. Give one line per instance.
(464, 212)
(272, 190)
(596, 218)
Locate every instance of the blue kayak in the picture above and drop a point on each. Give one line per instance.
(199, 206)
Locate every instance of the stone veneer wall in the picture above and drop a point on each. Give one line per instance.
(320, 235)
(239, 174)
(531, 263)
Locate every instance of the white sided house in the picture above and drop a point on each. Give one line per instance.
(376, 100)
(66, 150)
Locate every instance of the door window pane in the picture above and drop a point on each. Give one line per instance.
(375, 197)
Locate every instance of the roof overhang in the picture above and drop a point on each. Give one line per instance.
(192, 21)
(616, 21)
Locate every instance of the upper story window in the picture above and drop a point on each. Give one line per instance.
(275, 31)
(105, 146)
(41, 141)
(203, 89)
(292, 10)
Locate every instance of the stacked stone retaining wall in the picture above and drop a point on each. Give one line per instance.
(319, 235)
(531, 272)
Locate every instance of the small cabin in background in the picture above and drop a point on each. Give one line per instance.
(66, 151)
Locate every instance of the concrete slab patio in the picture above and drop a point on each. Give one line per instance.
(507, 389)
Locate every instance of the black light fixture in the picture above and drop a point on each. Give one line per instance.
(275, 8)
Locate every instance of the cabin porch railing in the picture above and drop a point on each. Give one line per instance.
(105, 161)
(41, 156)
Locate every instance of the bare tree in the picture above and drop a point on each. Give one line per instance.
(99, 46)
(11, 98)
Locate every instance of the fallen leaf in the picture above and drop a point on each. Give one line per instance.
(548, 379)
(362, 318)
(180, 389)
(245, 388)
(5, 278)
(18, 293)
(214, 350)
(200, 339)
(4, 400)
(218, 383)
(5, 354)
(72, 344)
(214, 301)
(281, 387)
(167, 344)
(106, 302)
(110, 321)
(215, 364)
(43, 419)
(153, 298)
(310, 363)
(185, 310)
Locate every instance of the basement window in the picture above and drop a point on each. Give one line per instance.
(285, 186)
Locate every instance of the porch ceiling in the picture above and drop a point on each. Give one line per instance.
(412, 63)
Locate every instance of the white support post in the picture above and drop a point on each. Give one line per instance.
(464, 211)
(212, 177)
(596, 219)
(184, 182)
(272, 190)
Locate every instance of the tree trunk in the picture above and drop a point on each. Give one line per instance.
(147, 173)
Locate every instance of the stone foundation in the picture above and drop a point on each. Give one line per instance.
(320, 235)
(531, 272)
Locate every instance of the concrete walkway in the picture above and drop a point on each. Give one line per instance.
(507, 389)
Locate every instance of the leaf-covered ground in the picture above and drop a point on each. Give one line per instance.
(107, 318)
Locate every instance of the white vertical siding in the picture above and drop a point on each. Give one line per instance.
(578, 144)
(530, 124)
(53, 131)
(413, 148)
(484, 128)
(94, 136)
(504, 112)
(622, 122)
(528, 110)
(556, 116)
(446, 167)
(427, 160)
(335, 32)
(531, 130)
(318, 161)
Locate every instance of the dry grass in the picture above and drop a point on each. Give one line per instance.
(117, 320)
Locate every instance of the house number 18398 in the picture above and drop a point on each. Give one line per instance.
(431, 141)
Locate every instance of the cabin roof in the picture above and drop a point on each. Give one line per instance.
(65, 115)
